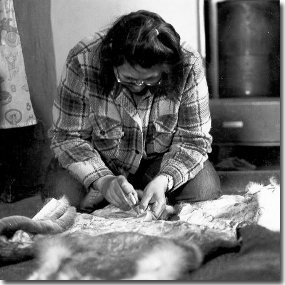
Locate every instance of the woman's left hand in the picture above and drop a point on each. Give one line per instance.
(154, 195)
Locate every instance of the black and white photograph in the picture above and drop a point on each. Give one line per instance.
(141, 140)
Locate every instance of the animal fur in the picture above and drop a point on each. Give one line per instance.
(79, 256)
(114, 256)
(9, 225)
(17, 232)
(133, 256)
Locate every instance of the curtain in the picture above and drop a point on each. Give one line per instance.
(16, 109)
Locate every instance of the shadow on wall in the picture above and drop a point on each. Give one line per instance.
(24, 152)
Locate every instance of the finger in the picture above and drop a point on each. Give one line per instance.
(158, 208)
(115, 201)
(122, 201)
(113, 198)
(125, 203)
(139, 194)
(168, 212)
(125, 185)
(114, 194)
(145, 200)
(128, 190)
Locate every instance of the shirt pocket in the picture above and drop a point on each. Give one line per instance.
(164, 129)
(107, 135)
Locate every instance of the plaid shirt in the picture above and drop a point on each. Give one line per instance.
(94, 135)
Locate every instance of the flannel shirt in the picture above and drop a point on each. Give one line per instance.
(94, 135)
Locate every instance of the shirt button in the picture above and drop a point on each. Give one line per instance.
(102, 133)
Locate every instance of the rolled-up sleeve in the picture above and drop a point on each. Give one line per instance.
(192, 140)
(71, 130)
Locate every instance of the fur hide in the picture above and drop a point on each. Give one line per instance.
(114, 245)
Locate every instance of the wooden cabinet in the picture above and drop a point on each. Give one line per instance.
(248, 129)
(246, 121)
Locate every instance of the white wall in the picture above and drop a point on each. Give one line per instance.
(74, 19)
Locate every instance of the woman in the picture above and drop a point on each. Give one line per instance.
(131, 120)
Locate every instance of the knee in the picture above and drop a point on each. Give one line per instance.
(205, 185)
(208, 181)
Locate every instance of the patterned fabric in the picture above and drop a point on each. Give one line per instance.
(94, 135)
(16, 109)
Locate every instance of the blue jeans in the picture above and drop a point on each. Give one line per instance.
(204, 186)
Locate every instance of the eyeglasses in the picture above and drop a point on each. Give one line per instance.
(133, 82)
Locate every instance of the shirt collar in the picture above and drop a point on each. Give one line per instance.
(118, 90)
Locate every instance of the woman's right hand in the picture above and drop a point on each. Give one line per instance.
(116, 190)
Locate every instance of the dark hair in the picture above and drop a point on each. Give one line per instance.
(141, 38)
